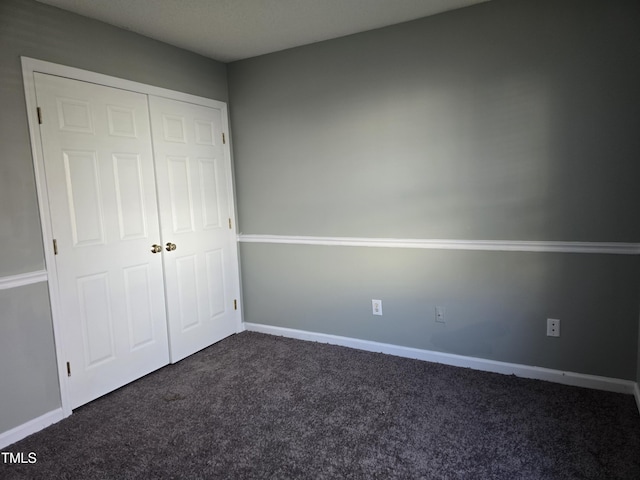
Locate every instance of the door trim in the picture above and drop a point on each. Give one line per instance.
(31, 66)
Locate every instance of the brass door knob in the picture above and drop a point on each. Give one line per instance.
(155, 248)
(171, 247)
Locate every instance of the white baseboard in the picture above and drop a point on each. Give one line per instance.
(32, 426)
(525, 371)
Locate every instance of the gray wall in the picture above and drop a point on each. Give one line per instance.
(28, 28)
(496, 303)
(507, 120)
(28, 372)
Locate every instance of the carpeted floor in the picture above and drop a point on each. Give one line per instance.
(262, 407)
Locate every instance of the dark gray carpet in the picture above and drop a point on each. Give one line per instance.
(264, 407)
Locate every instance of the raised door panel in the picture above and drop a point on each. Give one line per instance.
(180, 195)
(82, 182)
(96, 318)
(216, 282)
(209, 193)
(139, 297)
(130, 198)
(186, 294)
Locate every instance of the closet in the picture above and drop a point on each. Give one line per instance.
(139, 205)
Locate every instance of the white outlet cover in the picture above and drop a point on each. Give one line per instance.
(376, 307)
(553, 327)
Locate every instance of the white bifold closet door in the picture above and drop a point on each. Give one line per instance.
(194, 204)
(129, 300)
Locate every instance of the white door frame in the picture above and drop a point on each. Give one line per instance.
(29, 67)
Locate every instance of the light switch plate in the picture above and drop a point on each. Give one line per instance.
(376, 307)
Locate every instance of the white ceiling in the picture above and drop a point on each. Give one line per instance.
(229, 30)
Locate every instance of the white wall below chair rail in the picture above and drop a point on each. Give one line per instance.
(13, 281)
(487, 245)
(557, 376)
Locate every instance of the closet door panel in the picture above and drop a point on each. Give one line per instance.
(194, 205)
(99, 168)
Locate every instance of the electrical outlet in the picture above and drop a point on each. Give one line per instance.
(553, 327)
(376, 307)
(440, 314)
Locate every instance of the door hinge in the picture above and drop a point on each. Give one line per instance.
(229, 224)
(235, 304)
(224, 139)
(68, 369)
(55, 246)
(39, 115)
